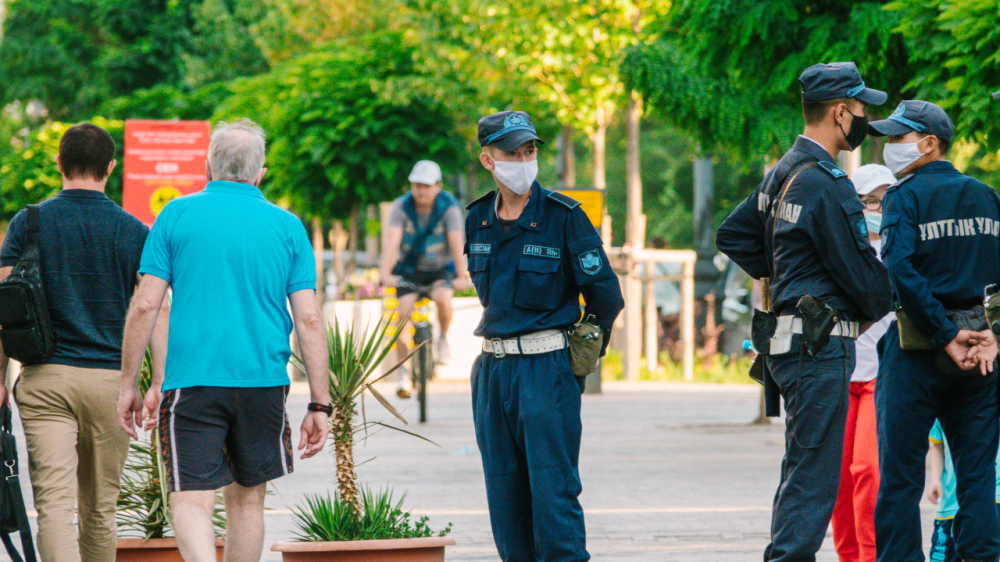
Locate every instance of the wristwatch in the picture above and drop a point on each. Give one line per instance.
(317, 407)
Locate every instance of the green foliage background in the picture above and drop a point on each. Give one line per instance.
(351, 92)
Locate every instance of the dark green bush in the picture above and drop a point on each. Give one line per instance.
(330, 519)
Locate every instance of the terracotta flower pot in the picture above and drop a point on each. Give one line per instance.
(156, 550)
(430, 549)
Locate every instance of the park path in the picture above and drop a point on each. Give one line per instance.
(670, 472)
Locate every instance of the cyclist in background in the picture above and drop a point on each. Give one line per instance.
(423, 255)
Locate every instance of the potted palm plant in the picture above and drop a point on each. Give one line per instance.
(359, 524)
(144, 527)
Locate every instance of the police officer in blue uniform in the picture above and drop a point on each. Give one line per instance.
(804, 228)
(941, 244)
(532, 253)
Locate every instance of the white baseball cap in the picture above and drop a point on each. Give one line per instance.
(426, 172)
(870, 177)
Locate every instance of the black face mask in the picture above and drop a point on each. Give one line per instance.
(858, 132)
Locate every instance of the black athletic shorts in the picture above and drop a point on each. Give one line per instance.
(211, 436)
(423, 283)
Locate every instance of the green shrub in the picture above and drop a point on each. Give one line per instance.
(718, 369)
(331, 519)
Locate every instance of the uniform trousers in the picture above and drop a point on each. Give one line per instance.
(854, 515)
(76, 454)
(909, 395)
(815, 391)
(526, 410)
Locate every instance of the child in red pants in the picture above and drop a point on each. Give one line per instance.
(854, 514)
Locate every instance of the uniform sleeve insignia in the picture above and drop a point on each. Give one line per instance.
(564, 200)
(862, 227)
(590, 262)
(832, 169)
(480, 200)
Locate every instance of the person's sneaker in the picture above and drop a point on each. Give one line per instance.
(402, 393)
(443, 352)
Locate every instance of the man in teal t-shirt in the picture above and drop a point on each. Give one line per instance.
(234, 262)
(942, 491)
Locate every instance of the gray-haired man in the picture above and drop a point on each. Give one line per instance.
(232, 260)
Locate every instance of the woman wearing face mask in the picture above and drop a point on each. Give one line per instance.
(854, 514)
(940, 242)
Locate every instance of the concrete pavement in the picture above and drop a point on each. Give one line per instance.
(670, 472)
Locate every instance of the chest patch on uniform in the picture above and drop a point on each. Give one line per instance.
(590, 262)
(832, 169)
(542, 251)
(479, 248)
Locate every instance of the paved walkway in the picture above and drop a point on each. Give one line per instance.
(670, 472)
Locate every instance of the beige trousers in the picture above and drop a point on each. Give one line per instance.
(76, 454)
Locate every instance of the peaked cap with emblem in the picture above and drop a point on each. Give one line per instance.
(507, 130)
(835, 80)
(915, 115)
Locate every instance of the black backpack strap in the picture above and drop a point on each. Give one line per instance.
(34, 225)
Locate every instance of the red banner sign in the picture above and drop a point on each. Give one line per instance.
(163, 160)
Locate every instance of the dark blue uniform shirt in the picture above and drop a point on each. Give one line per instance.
(941, 244)
(820, 243)
(90, 250)
(530, 278)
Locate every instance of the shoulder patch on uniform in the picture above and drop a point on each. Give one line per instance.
(481, 199)
(564, 200)
(832, 169)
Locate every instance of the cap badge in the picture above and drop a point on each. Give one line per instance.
(514, 120)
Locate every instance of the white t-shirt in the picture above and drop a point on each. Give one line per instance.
(867, 365)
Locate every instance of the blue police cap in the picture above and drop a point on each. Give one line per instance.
(915, 115)
(507, 130)
(835, 80)
(996, 95)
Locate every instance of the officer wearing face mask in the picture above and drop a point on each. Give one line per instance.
(532, 254)
(804, 228)
(940, 243)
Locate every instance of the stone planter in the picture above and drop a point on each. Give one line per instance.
(156, 550)
(430, 549)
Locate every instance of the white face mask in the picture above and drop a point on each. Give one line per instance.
(899, 156)
(517, 176)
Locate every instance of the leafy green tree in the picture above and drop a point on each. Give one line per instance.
(73, 55)
(727, 70)
(345, 124)
(955, 60)
(29, 174)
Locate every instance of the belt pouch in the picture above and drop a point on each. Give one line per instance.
(818, 321)
(762, 329)
(910, 337)
(992, 309)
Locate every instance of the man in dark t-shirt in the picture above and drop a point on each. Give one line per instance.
(90, 250)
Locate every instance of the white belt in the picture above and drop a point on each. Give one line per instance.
(531, 344)
(789, 325)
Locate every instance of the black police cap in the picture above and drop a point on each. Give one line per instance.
(507, 130)
(915, 115)
(835, 80)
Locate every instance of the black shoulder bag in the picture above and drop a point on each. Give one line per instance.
(25, 328)
(13, 517)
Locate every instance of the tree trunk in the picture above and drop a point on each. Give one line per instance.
(347, 479)
(338, 242)
(371, 240)
(352, 240)
(317, 240)
(634, 237)
(600, 179)
(567, 159)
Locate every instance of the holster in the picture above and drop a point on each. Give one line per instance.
(818, 320)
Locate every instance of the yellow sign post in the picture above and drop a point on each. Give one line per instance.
(591, 201)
